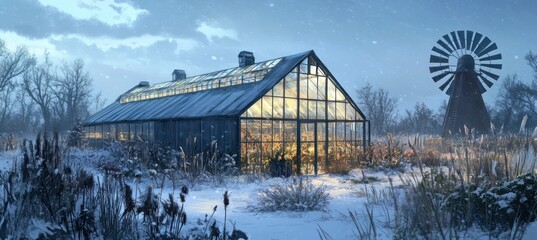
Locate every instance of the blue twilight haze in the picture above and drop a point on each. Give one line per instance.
(385, 43)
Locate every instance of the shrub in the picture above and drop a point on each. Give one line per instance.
(342, 167)
(501, 206)
(299, 194)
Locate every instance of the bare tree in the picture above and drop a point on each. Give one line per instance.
(27, 117)
(37, 82)
(6, 105)
(420, 120)
(517, 99)
(98, 102)
(12, 64)
(378, 107)
(532, 61)
(72, 89)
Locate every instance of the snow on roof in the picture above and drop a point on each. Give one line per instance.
(195, 97)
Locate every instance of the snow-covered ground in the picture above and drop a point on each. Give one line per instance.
(347, 193)
(7, 159)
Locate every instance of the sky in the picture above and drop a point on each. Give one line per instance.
(384, 43)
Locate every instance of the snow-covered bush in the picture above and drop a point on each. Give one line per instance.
(499, 206)
(137, 156)
(42, 188)
(299, 194)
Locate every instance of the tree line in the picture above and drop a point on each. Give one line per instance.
(515, 105)
(37, 94)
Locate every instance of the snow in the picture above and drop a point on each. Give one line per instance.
(344, 194)
(347, 193)
(531, 231)
(7, 159)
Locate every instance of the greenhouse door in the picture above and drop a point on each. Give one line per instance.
(307, 162)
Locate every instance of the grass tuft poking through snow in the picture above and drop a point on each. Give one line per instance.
(299, 194)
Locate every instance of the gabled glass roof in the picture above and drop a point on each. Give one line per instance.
(218, 79)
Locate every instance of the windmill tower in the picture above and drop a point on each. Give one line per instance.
(463, 63)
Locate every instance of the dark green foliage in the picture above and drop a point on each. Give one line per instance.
(497, 206)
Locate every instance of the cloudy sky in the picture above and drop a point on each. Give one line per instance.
(385, 43)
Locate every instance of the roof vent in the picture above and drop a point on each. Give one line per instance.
(246, 58)
(178, 74)
(143, 84)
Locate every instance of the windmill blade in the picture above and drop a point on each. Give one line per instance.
(438, 68)
(492, 75)
(481, 88)
(437, 59)
(493, 57)
(448, 40)
(462, 38)
(447, 83)
(495, 66)
(487, 50)
(439, 51)
(444, 45)
(455, 40)
(477, 38)
(469, 36)
(486, 41)
(486, 81)
(440, 76)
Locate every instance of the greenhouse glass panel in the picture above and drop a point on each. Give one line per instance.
(340, 131)
(277, 107)
(267, 131)
(254, 110)
(340, 110)
(290, 131)
(303, 109)
(277, 130)
(106, 132)
(321, 131)
(339, 95)
(307, 132)
(321, 110)
(313, 69)
(312, 109)
(349, 112)
(312, 87)
(291, 86)
(278, 89)
(303, 86)
(113, 132)
(267, 107)
(331, 109)
(331, 94)
(321, 93)
(290, 108)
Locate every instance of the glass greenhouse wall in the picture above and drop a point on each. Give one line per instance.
(193, 136)
(306, 120)
(294, 111)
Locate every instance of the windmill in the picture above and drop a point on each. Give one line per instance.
(463, 63)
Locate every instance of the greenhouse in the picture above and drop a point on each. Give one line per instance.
(289, 108)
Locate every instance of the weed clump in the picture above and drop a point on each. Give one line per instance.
(299, 194)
